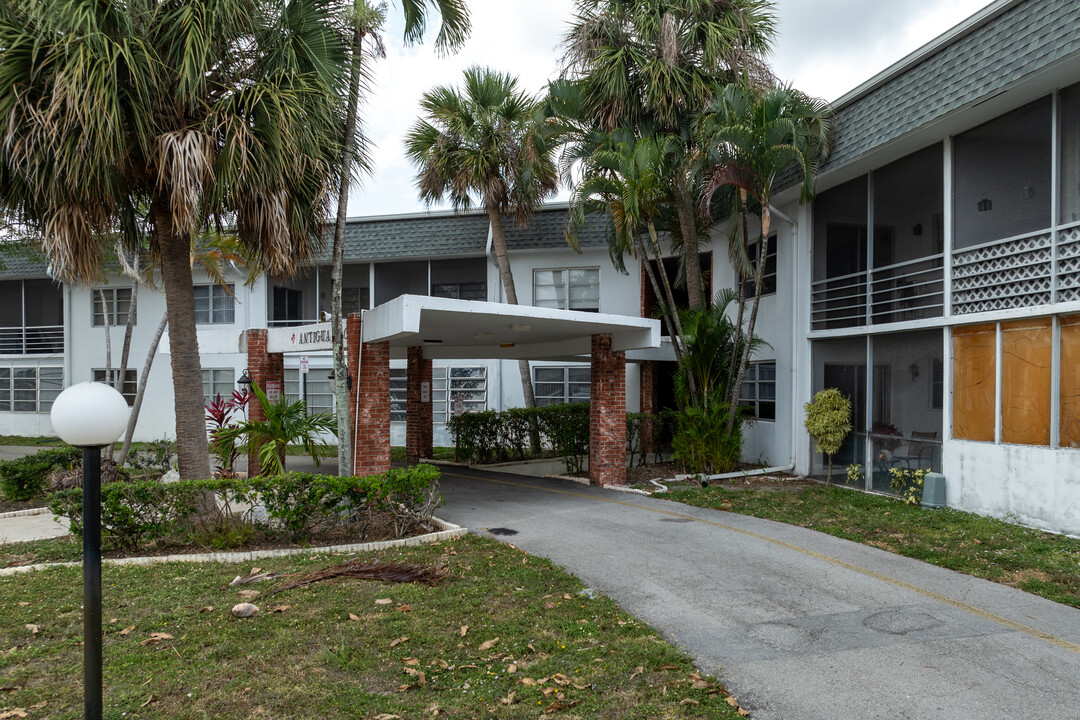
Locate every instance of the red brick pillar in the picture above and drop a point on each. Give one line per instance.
(607, 414)
(267, 370)
(418, 411)
(649, 402)
(369, 400)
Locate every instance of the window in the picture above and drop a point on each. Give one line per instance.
(937, 384)
(318, 391)
(214, 304)
(554, 385)
(1025, 381)
(758, 392)
(131, 382)
(218, 381)
(1069, 102)
(768, 280)
(29, 389)
(288, 304)
(116, 308)
(460, 290)
(567, 289)
(398, 399)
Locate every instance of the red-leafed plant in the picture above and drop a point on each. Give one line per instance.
(219, 416)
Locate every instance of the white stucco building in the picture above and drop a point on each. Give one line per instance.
(935, 280)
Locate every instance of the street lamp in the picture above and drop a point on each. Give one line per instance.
(90, 416)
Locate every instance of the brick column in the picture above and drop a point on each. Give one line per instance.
(418, 412)
(263, 367)
(607, 414)
(649, 402)
(369, 401)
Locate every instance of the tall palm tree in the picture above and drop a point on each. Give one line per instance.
(657, 63)
(228, 111)
(750, 140)
(483, 143)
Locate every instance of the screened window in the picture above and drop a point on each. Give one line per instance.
(116, 306)
(937, 384)
(214, 304)
(758, 392)
(460, 290)
(567, 289)
(29, 389)
(454, 389)
(555, 385)
(768, 280)
(1069, 102)
(217, 381)
(131, 382)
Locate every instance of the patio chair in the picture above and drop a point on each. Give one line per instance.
(919, 452)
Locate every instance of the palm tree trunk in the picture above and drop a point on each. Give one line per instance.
(734, 364)
(691, 260)
(758, 277)
(133, 418)
(192, 452)
(341, 388)
(677, 342)
(498, 241)
(668, 310)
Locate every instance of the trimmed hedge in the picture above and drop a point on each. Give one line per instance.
(25, 477)
(296, 504)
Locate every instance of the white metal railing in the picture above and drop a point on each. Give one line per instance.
(290, 323)
(907, 290)
(33, 340)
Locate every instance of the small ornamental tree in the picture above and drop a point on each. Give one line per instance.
(828, 420)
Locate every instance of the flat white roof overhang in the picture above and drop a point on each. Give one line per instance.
(458, 329)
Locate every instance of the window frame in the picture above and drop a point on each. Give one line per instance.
(768, 280)
(216, 293)
(9, 392)
(444, 386)
(111, 293)
(752, 380)
(210, 381)
(566, 286)
(565, 396)
(130, 385)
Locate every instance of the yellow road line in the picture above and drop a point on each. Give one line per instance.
(979, 612)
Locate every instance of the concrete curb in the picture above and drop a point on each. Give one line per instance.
(24, 513)
(449, 530)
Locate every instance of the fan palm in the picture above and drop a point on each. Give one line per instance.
(229, 110)
(750, 140)
(657, 63)
(482, 143)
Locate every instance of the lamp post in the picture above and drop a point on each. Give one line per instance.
(90, 416)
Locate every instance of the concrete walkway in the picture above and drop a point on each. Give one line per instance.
(799, 625)
(22, 528)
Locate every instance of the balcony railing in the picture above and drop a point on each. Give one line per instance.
(37, 340)
(909, 290)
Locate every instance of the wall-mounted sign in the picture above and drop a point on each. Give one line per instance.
(273, 390)
(425, 392)
(305, 338)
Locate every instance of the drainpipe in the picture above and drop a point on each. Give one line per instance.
(489, 252)
(794, 383)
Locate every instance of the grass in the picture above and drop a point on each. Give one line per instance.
(31, 440)
(1038, 562)
(60, 549)
(397, 454)
(506, 636)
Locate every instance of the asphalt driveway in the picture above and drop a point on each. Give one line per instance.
(798, 624)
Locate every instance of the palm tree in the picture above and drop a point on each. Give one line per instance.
(483, 143)
(750, 140)
(655, 63)
(228, 111)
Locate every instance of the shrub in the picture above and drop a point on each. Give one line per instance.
(25, 478)
(297, 505)
(491, 436)
(157, 457)
(828, 420)
(566, 429)
(702, 443)
(908, 484)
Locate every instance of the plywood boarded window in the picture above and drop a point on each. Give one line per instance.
(1026, 355)
(974, 355)
(1070, 381)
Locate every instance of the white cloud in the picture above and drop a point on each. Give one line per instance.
(825, 47)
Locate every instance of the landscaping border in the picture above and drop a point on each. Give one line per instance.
(24, 513)
(449, 530)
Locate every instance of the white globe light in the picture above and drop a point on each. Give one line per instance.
(90, 414)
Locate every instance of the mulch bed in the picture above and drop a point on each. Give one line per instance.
(13, 505)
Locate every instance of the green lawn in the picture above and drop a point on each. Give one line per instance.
(1042, 563)
(506, 636)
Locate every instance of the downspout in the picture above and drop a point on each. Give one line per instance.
(794, 383)
(488, 251)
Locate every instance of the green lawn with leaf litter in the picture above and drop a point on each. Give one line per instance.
(506, 635)
(1038, 562)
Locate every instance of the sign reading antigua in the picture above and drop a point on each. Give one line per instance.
(299, 339)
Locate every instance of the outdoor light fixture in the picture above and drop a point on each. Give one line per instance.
(519, 328)
(90, 416)
(914, 370)
(348, 379)
(985, 205)
(244, 382)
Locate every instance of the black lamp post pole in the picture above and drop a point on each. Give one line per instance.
(91, 515)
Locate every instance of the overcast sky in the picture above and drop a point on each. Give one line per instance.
(825, 48)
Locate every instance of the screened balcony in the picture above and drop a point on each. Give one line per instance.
(31, 318)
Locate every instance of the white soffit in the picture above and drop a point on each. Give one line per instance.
(455, 329)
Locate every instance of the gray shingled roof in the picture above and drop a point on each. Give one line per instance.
(1017, 42)
(19, 267)
(446, 235)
